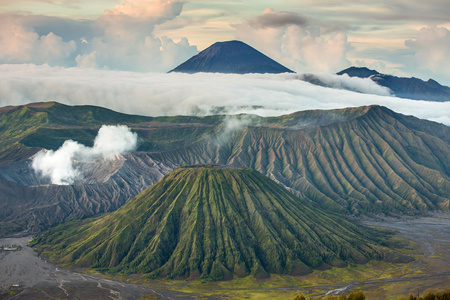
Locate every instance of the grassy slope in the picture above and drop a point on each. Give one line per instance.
(212, 223)
(374, 162)
(16, 124)
(25, 129)
(355, 160)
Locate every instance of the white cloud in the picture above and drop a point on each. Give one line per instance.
(294, 41)
(147, 9)
(432, 50)
(345, 82)
(156, 94)
(121, 39)
(59, 165)
(21, 44)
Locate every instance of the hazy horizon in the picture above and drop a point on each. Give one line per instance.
(155, 94)
(403, 38)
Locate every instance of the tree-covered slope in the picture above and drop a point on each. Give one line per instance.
(212, 222)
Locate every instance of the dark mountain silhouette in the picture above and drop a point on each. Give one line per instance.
(358, 72)
(231, 57)
(410, 88)
(213, 222)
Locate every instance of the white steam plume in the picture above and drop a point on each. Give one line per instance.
(231, 124)
(59, 165)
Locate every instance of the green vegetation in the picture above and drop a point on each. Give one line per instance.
(370, 161)
(359, 295)
(214, 223)
(430, 296)
(316, 118)
(16, 124)
(365, 160)
(25, 129)
(10, 292)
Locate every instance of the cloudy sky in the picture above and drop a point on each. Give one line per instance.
(401, 37)
(115, 53)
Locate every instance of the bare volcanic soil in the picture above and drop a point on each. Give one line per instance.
(40, 279)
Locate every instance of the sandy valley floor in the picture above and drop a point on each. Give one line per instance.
(40, 279)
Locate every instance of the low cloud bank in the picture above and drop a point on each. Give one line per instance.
(156, 94)
(59, 165)
(345, 82)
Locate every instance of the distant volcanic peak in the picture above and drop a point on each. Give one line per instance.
(214, 223)
(231, 57)
(403, 87)
(358, 72)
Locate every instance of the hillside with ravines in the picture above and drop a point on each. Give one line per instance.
(215, 223)
(366, 160)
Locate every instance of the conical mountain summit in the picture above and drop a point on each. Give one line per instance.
(215, 223)
(231, 57)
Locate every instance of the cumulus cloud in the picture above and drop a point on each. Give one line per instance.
(20, 44)
(156, 94)
(59, 165)
(158, 10)
(121, 39)
(432, 50)
(128, 42)
(296, 41)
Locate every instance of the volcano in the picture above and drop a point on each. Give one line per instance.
(403, 87)
(212, 222)
(231, 57)
(360, 161)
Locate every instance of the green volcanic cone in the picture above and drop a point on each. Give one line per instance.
(215, 223)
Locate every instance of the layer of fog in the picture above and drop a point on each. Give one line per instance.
(58, 165)
(156, 94)
(345, 82)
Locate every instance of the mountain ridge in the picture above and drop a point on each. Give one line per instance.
(366, 160)
(410, 88)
